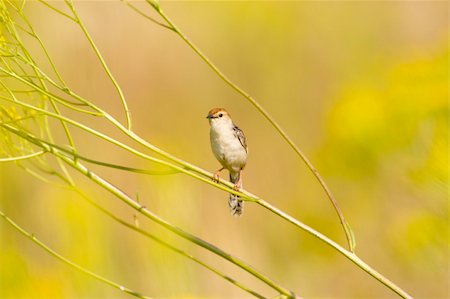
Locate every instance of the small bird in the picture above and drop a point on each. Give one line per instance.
(230, 148)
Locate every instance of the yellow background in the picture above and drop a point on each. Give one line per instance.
(361, 87)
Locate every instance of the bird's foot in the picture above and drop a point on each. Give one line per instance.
(238, 185)
(216, 176)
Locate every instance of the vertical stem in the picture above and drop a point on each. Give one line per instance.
(102, 61)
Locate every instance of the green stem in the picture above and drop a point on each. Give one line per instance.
(346, 227)
(58, 11)
(145, 16)
(178, 231)
(74, 163)
(59, 99)
(348, 254)
(24, 157)
(69, 262)
(189, 169)
(37, 71)
(165, 244)
(225, 186)
(89, 160)
(244, 194)
(102, 61)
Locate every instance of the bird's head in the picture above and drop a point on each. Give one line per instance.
(219, 116)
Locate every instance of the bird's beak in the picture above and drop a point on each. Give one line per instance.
(209, 116)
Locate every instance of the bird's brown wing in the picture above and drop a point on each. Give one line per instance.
(240, 135)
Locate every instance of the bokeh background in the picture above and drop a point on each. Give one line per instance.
(361, 87)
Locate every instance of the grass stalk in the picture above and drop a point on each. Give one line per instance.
(102, 61)
(250, 197)
(71, 157)
(166, 244)
(75, 164)
(348, 232)
(348, 254)
(24, 157)
(50, 251)
(228, 187)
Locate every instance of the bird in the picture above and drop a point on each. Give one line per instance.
(229, 146)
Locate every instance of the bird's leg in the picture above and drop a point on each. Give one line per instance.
(238, 184)
(216, 175)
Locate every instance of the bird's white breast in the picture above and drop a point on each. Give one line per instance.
(227, 147)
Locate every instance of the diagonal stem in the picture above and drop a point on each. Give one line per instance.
(33, 238)
(166, 244)
(348, 232)
(75, 164)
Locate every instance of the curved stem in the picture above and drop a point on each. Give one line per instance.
(244, 194)
(194, 171)
(178, 231)
(75, 164)
(102, 61)
(33, 238)
(285, 136)
(57, 10)
(47, 93)
(89, 160)
(36, 72)
(224, 185)
(348, 254)
(145, 16)
(166, 244)
(24, 157)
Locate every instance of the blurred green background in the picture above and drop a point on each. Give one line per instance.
(362, 88)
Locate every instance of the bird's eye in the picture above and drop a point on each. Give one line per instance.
(220, 115)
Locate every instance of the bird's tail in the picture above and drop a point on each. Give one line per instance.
(235, 202)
